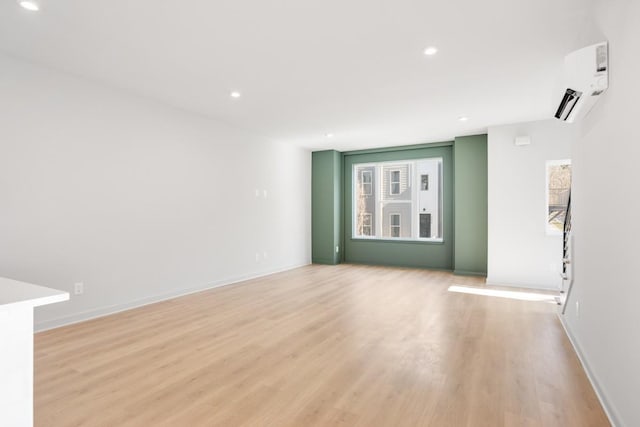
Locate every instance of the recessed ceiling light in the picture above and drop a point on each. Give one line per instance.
(29, 5)
(463, 118)
(235, 94)
(431, 50)
(329, 135)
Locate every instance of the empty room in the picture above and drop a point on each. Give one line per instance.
(319, 213)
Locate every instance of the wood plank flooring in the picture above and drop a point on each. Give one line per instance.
(318, 346)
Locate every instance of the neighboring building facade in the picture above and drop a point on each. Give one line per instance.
(429, 196)
(398, 200)
(366, 201)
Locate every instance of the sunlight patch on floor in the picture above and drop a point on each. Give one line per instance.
(518, 295)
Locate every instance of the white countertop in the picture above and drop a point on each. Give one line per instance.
(13, 293)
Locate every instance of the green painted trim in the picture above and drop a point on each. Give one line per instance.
(323, 261)
(469, 273)
(377, 264)
(400, 148)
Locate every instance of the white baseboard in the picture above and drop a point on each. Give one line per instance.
(116, 308)
(512, 284)
(608, 409)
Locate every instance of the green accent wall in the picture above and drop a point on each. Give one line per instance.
(409, 253)
(326, 207)
(470, 254)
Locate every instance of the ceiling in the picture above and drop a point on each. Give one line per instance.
(352, 68)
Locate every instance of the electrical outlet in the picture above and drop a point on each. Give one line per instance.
(577, 308)
(337, 249)
(78, 288)
(264, 193)
(264, 255)
(257, 256)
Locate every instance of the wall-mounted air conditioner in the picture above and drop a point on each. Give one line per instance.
(586, 78)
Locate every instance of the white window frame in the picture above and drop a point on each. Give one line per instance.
(377, 226)
(391, 181)
(392, 226)
(364, 184)
(551, 231)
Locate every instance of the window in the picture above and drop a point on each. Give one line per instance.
(424, 183)
(398, 200)
(394, 182)
(425, 225)
(394, 224)
(366, 224)
(558, 191)
(366, 181)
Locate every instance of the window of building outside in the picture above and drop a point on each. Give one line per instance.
(394, 182)
(366, 225)
(394, 224)
(366, 182)
(557, 194)
(400, 200)
(424, 182)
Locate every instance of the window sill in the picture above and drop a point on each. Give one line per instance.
(399, 240)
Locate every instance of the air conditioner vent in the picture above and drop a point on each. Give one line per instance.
(568, 103)
(586, 72)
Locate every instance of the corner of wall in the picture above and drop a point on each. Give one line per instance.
(591, 376)
(470, 205)
(326, 207)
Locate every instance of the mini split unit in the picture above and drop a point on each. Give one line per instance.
(586, 77)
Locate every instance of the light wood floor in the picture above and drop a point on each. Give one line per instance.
(320, 345)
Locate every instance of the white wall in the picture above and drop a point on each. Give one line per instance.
(137, 200)
(606, 221)
(520, 252)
